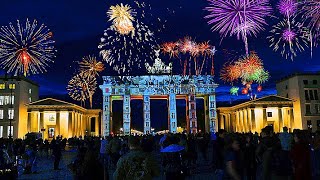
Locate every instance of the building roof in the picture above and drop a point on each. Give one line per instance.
(267, 100)
(51, 102)
(19, 78)
(298, 74)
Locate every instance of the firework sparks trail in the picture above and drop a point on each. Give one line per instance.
(26, 48)
(242, 18)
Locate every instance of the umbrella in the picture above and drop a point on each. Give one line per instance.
(172, 148)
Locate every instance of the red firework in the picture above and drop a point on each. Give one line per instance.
(250, 64)
(230, 72)
(170, 48)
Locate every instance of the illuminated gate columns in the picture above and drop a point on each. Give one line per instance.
(169, 87)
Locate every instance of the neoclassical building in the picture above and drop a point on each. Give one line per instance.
(54, 117)
(254, 115)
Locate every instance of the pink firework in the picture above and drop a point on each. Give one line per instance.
(288, 35)
(287, 7)
(238, 17)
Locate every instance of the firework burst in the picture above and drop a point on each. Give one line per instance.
(230, 72)
(82, 87)
(125, 51)
(242, 18)
(287, 7)
(289, 40)
(310, 10)
(90, 66)
(26, 48)
(188, 49)
(122, 18)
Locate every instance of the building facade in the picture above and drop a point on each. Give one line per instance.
(54, 117)
(170, 87)
(304, 90)
(15, 93)
(256, 114)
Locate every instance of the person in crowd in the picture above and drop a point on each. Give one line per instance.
(91, 167)
(316, 156)
(56, 152)
(114, 149)
(136, 164)
(300, 155)
(286, 139)
(219, 147)
(264, 153)
(232, 159)
(162, 141)
(249, 156)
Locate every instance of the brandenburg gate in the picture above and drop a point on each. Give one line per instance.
(169, 87)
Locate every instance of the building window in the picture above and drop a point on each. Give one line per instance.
(305, 82)
(308, 111)
(269, 114)
(173, 124)
(1, 113)
(314, 82)
(51, 132)
(287, 96)
(311, 95)
(6, 100)
(317, 108)
(309, 125)
(10, 113)
(1, 131)
(30, 99)
(147, 124)
(12, 100)
(306, 95)
(316, 94)
(1, 100)
(10, 131)
(286, 86)
(30, 91)
(2, 86)
(12, 86)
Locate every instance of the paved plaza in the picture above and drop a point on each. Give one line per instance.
(45, 168)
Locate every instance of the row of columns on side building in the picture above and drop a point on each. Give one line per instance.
(246, 120)
(210, 113)
(78, 124)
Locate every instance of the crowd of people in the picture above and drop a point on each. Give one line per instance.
(234, 156)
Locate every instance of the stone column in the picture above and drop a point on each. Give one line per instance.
(41, 125)
(96, 126)
(291, 119)
(241, 121)
(57, 129)
(264, 116)
(105, 116)
(187, 114)
(172, 113)
(253, 120)
(206, 114)
(213, 113)
(29, 122)
(249, 121)
(280, 123)
(74, 124)
(146, 114)
(193, 113)
(237, 122)
(70, 117)
(126, 115)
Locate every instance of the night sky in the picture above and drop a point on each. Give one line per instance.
(78, 25)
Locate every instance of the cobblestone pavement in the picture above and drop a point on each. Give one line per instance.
(203, 170)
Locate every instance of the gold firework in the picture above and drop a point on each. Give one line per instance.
(122, 18)
(90, 66)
